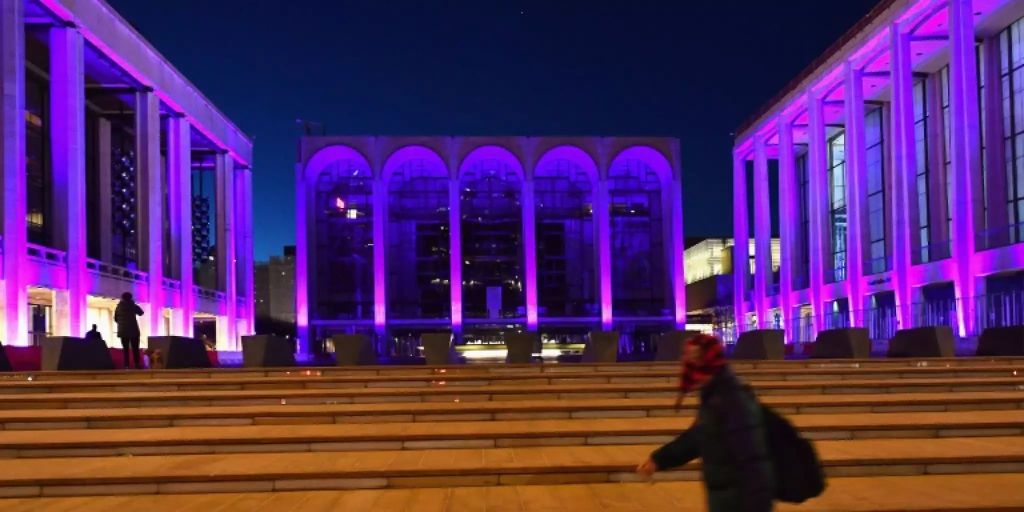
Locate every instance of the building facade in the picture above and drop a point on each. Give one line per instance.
(398, 236)
(900, 160)
(118, 176)
(275, 293)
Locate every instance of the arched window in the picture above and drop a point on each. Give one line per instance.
(343, 208)
(418, 266)
(566, 259)
(492, 228)
(640, 281)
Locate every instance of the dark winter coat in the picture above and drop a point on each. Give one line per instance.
(125, 316)
(729, 437)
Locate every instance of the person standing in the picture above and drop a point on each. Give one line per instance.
(729, 434)
(128, 328)
(94, 335)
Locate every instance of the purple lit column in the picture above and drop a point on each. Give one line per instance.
(455, 252)
(67, 139)
(151, 193)
(741, 240)
(380, 212)
(302, 255)
(226, 250)
(856, 158)
(249, 268)
(604, 251)
(904, 160)
(965, 161)
(530, 252)
(817, 157)
(678, 264)
(788, 217)
(762, 233)
(12, 154)
(179, 182)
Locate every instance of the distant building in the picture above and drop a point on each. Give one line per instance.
(709, 283)
(481, 235)
(275, 293)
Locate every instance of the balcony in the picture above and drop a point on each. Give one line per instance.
(208, 294)
(47, 255)
(116, 272)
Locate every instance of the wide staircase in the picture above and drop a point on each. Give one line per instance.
(911, 434)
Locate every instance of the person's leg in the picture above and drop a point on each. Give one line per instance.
(125, 346)
(135, 353)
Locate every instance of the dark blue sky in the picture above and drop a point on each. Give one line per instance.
(692, 69)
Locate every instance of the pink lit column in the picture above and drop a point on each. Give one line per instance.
(530, 243)
(226, 251)
(966, 157)
(604, 251)
(788, 217)
(817, 179)
(151, 193)
(302, 257)
(762, 233)
(856, 158)
(249, 267)
(904, 160)
(741, 240)
(179, 183)
(380, 219)
(455, 252)
(12, 155)
(678, 266)
(67, 139)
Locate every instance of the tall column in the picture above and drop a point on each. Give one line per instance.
(226, 250)
(179, 183)
(67, 146)
(530, 243)
(817, 182)
(243, 253)
(789, 215)
(250, 264)
(762, 233)
(380, 223)
(993, 186)
(676, 256)
(12, 155)
(604, 252)
(104, 163)
(741, 240)
(965, 145)
(856, 176)
(302, 261)
(151, 193)
(904, 160)
(455, 252)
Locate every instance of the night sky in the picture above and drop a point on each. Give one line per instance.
(692, 69)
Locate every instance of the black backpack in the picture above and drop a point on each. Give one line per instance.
(798, 473)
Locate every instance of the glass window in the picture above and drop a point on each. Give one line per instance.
(418, 266)
(1012, 83)
(37, 157)
(563, 202)
(492, 233)
(947, 160)
(837, 206)
(344, 242)
(922, 173)
(802, 272)
(875, 167)
(639, 280)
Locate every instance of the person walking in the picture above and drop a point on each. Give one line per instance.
(729, 434)
(128, 328)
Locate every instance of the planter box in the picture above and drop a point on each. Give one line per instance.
(922, 342)
(761, 344)
(180, 352)
(69, 353)
(264, 350)
(520, 347)
(849, 343)
(353, 350)
(602, 347)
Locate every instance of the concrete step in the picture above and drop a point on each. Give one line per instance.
(277, 414)
(476, 434)
(503, 369)
(158, 398)
(230, 381)
(931, 493)
(176, 474)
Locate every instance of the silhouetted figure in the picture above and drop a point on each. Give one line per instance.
(94, 335)
(128, 327)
